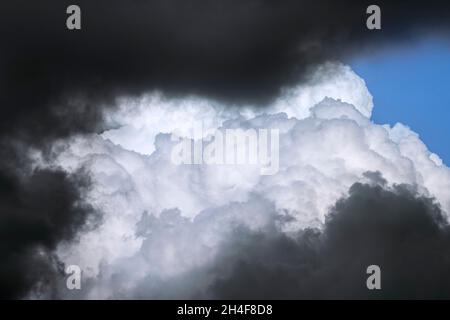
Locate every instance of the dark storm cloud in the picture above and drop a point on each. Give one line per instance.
(54, 81)
(404, 233)
(38, 210)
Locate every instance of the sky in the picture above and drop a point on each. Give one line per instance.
(411, 85)
(91, 118)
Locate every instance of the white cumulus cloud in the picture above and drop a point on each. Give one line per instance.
(161, 220)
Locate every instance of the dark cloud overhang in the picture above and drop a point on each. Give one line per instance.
(237, 51)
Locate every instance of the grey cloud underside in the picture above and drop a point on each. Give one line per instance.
(395, 228)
